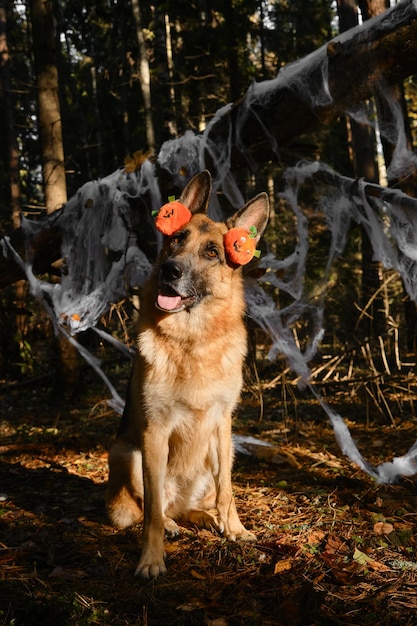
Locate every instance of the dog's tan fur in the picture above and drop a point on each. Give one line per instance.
(173, 454)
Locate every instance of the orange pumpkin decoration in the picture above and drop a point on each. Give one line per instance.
(240, 245)
(171, 217)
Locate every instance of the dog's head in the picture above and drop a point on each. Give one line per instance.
(195, 262)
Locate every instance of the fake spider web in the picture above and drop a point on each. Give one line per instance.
(103, 259)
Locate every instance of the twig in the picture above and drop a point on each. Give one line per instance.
(383, 355)
(372, 298)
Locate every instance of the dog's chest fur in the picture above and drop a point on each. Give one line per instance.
(188, 373)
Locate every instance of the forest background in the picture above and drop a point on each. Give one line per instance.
(86, 89)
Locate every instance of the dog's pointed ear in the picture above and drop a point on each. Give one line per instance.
(196, 194)
(254, 213)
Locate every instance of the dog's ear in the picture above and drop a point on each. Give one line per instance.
(254, 213)
(196, 194)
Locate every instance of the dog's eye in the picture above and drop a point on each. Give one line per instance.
(212, 252)
(177, 239)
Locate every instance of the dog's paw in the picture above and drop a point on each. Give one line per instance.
(150, 570)
(124, 516)
(171, 528)
(246, 535)
(239, 534)
(205, 519)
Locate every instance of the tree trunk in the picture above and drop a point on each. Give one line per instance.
(145, 76)
(20, 288)
(49, 115)
(408, 184)
(233, 47)
(170, 64)
(13, 150)
(365, 166)
(97, 119)
(388, 113)
(50, 131)
(372, 8)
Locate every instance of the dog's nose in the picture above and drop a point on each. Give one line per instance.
(171, 270)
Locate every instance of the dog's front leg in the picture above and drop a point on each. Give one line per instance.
(155, 458)
(229, 522)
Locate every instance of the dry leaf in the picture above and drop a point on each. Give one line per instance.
(383, 528)
(171, 546)
(67, 574)
(315, 537)
(366, 561)
(377, 566)
(361, 558)
(193, 605)
(336, 545)
(335, 556)
(282, 566)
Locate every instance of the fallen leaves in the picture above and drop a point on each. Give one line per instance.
(197, 575)
(366, 561)
(282, 566)
(300, 607)
(346, 563)
(330, 543)
(67, 574)
(383, 528)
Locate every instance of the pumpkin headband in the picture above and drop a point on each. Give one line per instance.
(239, 243)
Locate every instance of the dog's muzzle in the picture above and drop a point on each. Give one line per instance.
(172, 296)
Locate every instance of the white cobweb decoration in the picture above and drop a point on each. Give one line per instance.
(101, 256)
(103, 259)
(394, 241)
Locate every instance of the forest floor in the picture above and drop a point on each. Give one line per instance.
(333, 547)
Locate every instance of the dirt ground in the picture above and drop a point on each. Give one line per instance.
(333, 546)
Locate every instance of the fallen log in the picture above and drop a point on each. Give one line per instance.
(317, 89)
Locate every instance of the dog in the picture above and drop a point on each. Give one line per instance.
(172, 457)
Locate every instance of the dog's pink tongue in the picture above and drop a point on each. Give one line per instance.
(169, 303)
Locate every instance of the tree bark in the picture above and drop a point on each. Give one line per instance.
(365, 166)
(170, 66)
(55, 189)
(386, 118)
(144, 76)
(49, 115)
(232, 51)
(13, 150)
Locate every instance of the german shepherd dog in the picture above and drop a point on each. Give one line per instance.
(173, 454)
